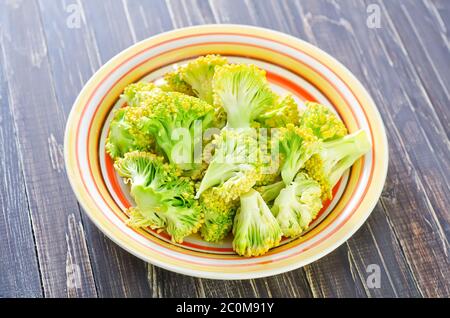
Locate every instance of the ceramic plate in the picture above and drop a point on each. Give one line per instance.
(293, 66)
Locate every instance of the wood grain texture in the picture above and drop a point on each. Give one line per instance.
(403, 64)
(18, 262)
(40, 123)
(424, 33)
(74, 57)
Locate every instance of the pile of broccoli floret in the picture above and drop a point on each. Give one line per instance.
(212, 149)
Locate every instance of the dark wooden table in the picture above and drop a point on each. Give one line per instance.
(50, 48)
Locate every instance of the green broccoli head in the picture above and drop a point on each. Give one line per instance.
(297, 145)
(335, 157)
(297, 205)
(164, 200)
(176, 122)
(283, 113)
(124, 137)
(218, 216)
(244, 93)
(199, 75)
(174, 83)
(232, 170)
(255, 228)
(324, 124)
(268, 158)
(133, 93)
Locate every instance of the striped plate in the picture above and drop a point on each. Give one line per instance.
(293, 66)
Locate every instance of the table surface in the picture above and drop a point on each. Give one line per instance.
(49, 49)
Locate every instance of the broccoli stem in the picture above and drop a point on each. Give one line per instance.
(217, 173)
(347, 149)
(271, 191)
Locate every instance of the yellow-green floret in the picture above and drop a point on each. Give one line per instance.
(132, 93)
(297, 145)
(244, 93)
(269, 163)
(199, 75)
(164, 200)
(334, 158)
(176, 122)
(233, 168)
(219, 216)
(255, 228)
(174, 83)
(324, 124)
(297, 205)
(283, 113)
(123, 136)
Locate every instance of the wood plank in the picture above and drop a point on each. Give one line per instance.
(74, 57)
(187, 13)
(440, 8)
(376, 58)
(39, 121)
(167, 284)
(18, 261)
(431, 161)
(147, 18)
(376, 244)
(108, 23)
(424, 38)
(424, 35)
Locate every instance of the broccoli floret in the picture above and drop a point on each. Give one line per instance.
(267, 178)
(124, 133)
(283, 113)
(297, 205)
(164, 200)
(219, 216)
(324, 124)
(175, 121)
(244, 93)
(335, 157)
(124, 137)
(199, 75)
(270, 192)
(174, 83)
(269, 159)
(144, 218)
(195, 79)
(132, 93)
(297, 145)
(231, 171)
(255, 228)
